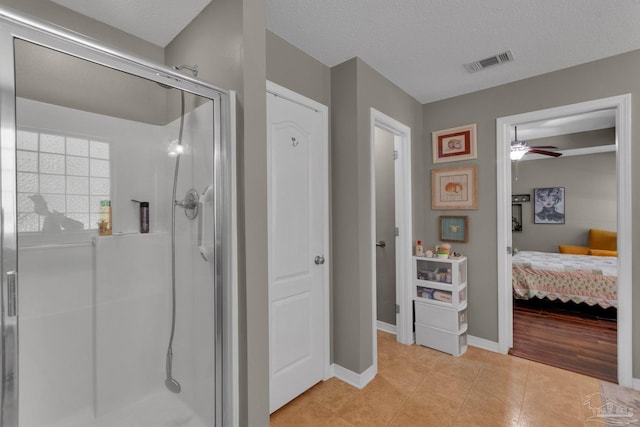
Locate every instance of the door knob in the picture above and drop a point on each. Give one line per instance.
(381, 243)
(319, 260)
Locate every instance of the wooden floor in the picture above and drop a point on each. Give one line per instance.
(566, 335)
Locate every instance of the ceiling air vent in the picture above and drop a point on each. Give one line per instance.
(499, 58)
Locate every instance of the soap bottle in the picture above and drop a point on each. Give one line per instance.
(144, 217)
(104, 226)
(419, 248)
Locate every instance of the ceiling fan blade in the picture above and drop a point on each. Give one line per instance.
(546, 153)
(544, 146)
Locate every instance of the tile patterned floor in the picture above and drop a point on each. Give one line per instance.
(417, 386)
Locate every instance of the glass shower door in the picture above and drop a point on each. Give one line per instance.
(105, 321)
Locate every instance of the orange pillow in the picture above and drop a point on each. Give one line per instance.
(601, 239)
(602, 252)
(574, 250)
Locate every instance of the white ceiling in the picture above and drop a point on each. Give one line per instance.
(420, 45)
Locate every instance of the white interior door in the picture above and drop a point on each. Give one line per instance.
(296, 248)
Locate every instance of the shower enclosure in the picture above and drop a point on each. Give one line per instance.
(86, 318)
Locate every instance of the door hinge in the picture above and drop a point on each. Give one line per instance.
(397, 308)
(395, 154)
(509, 250)
(396, 232)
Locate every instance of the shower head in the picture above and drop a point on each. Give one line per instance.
(172, 385)
(192, 68)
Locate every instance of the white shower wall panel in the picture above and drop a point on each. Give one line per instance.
(56, 332)
(139, 163)
(194, 352)
(95, 322)
(133, 317)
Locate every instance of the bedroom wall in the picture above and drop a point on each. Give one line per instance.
(590, 199)
(616, 75)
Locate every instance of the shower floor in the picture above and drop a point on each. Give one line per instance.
(162, 409)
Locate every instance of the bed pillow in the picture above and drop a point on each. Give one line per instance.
(601, 239)
(602, 252)
(573, 250)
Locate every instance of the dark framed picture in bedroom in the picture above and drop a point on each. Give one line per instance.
(548, 205)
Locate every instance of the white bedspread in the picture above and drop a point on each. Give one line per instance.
(577, 278)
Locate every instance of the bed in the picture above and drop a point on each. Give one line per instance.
(578, 278)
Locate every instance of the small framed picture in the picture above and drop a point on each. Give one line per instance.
(454, 188)
(454, 229)
(454, 144)
(548, 205)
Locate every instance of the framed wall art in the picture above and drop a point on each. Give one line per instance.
(549, 205)
(454, 229)
(454, 188)
(451, 145)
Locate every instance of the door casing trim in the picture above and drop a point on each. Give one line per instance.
(622, 106)
(402, 170)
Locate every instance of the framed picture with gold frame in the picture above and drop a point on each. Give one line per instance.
(454, 188)
(454, 144)
(454, 229)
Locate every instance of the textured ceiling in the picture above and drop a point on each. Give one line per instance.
(156, 21)
(421, 45)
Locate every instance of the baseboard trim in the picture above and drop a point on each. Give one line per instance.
(483, 343)
(387, 327)
(635, 383)
(350, 377)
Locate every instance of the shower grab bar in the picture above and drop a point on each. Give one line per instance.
(206, 197)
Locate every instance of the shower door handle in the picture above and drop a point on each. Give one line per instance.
(12, 294)
(9, 411)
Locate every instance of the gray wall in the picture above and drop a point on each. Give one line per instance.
(227, 41)
(71, 20)
(600, 79)
(48, 76)
(589, 199)
(56, 78)
(385, 227)
(292, 68)
(355, 88)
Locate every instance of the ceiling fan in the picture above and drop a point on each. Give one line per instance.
(520, 148)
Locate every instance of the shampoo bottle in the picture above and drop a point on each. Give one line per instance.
(104, 226)
(419, 248)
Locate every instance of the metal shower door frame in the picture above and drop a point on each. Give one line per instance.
(15, 25)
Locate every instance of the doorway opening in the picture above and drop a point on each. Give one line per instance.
(399, 135)
(620, 106)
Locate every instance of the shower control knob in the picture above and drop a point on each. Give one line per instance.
(319, 260)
